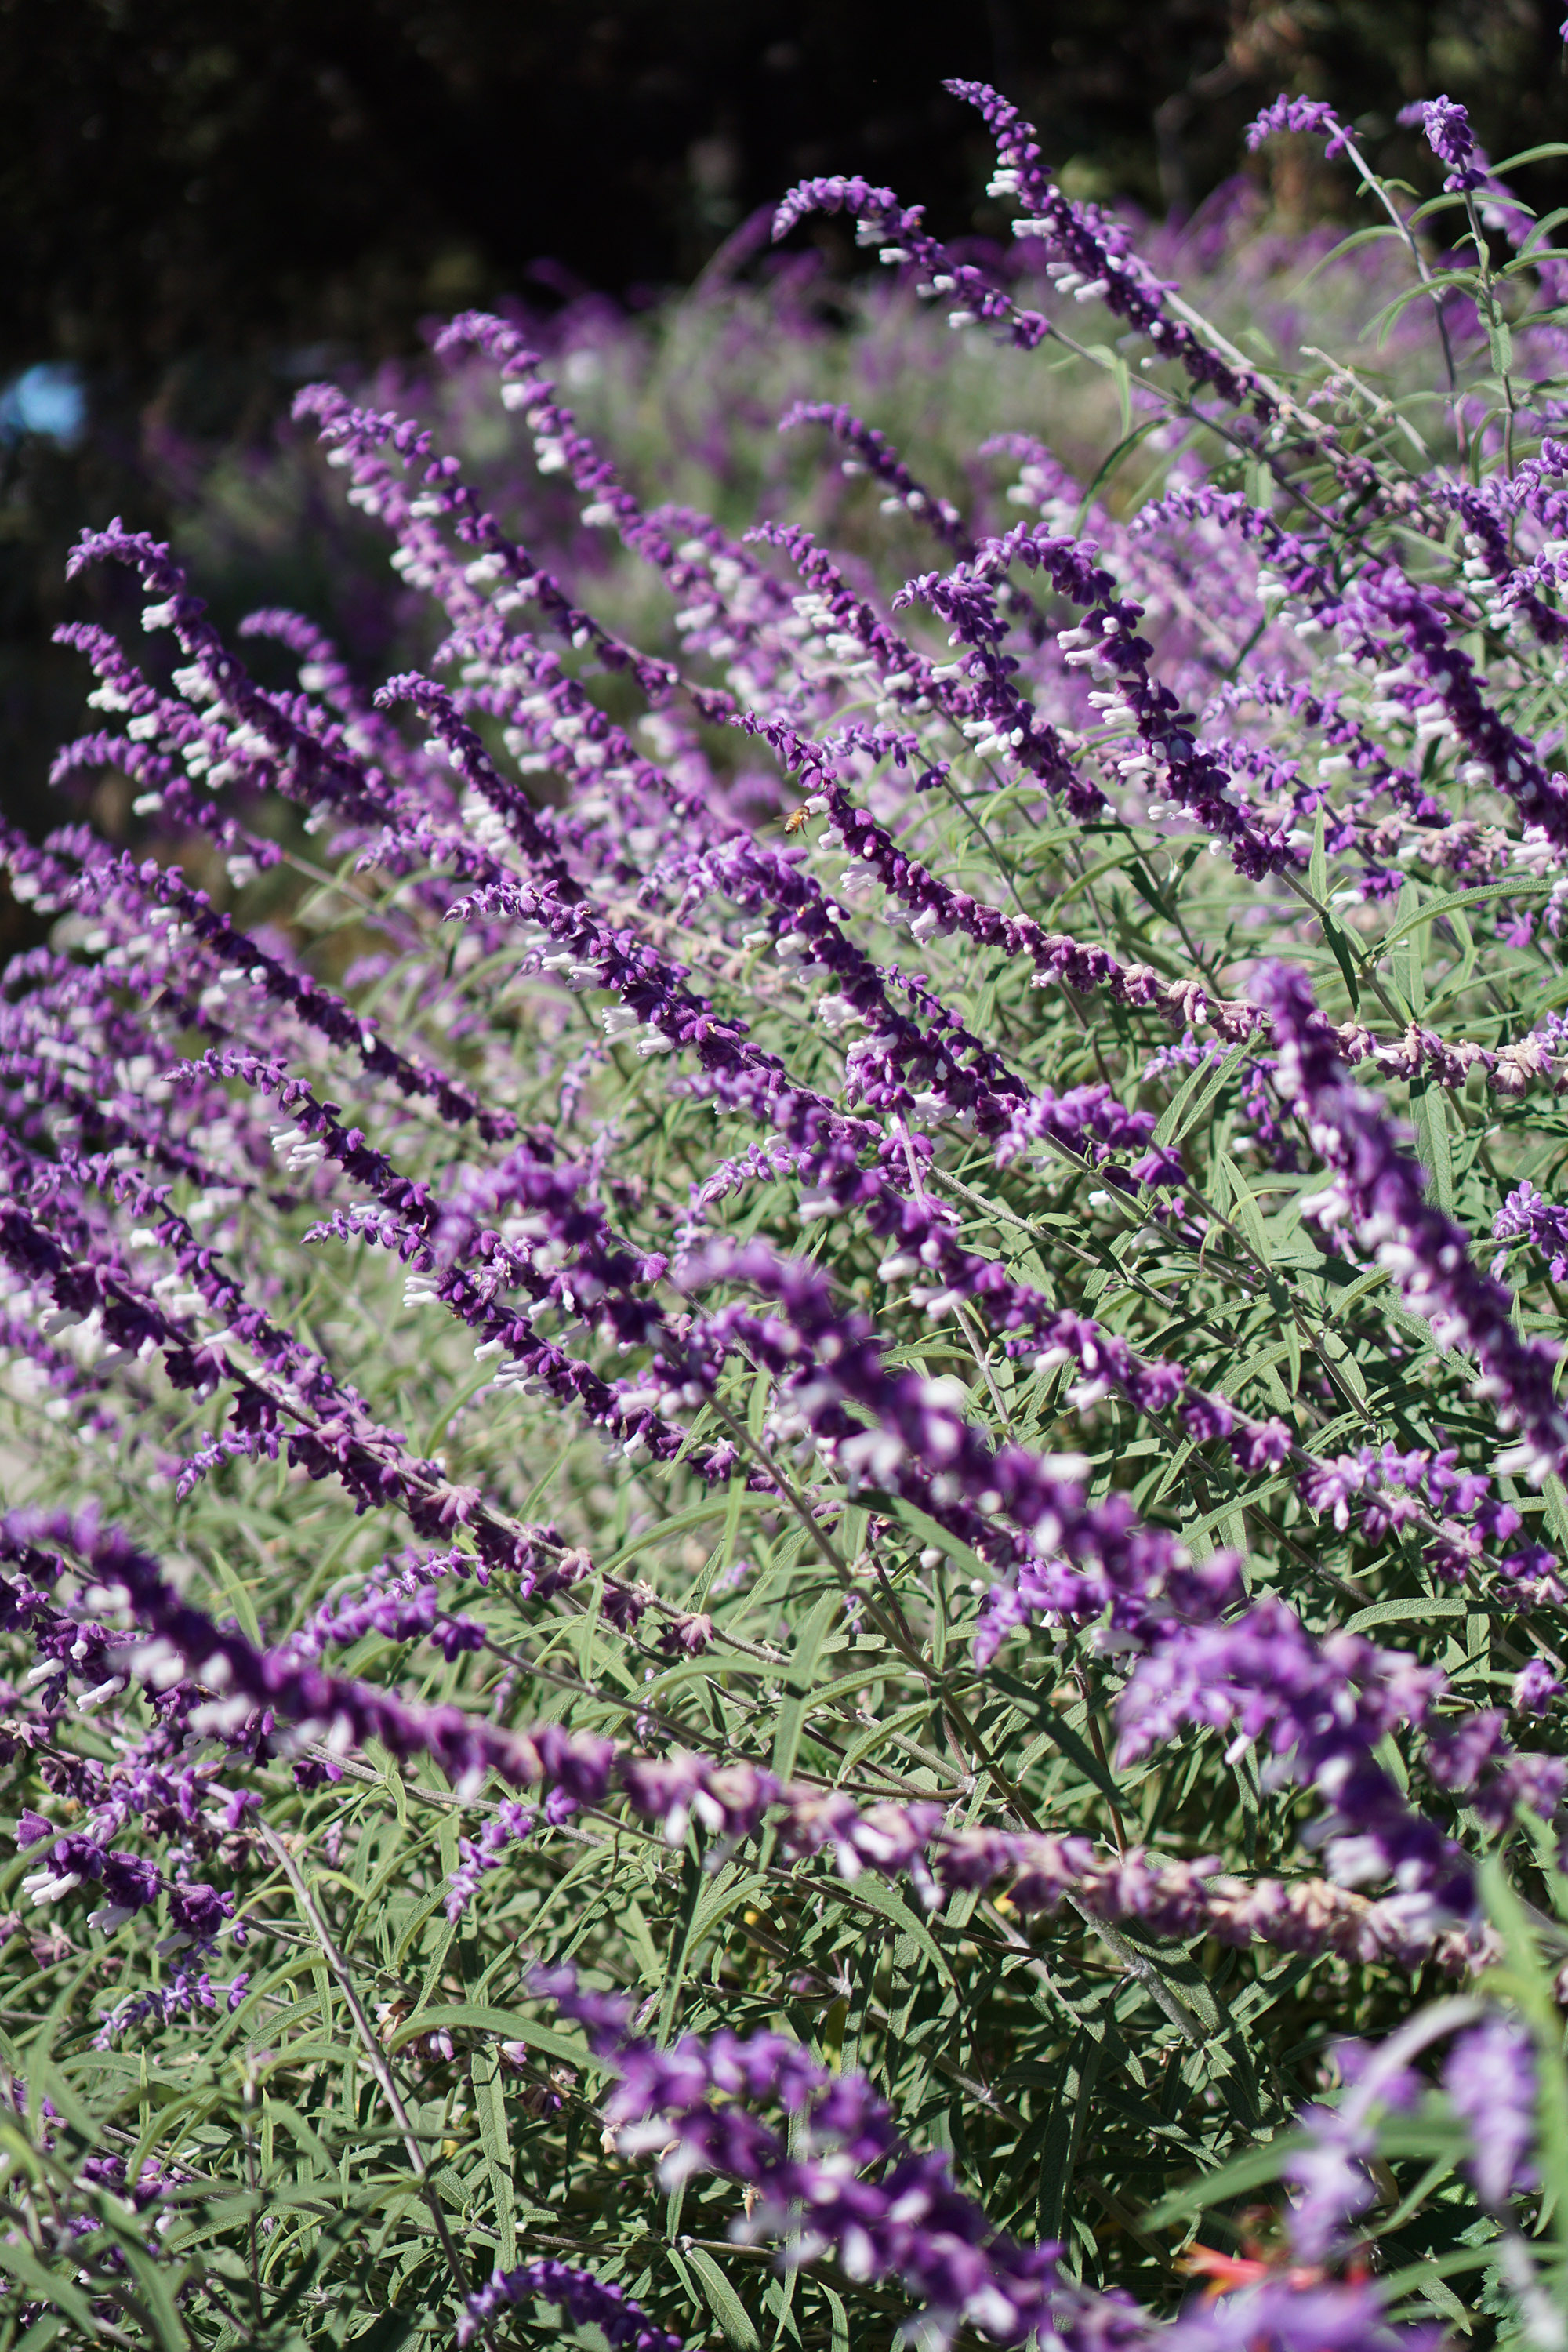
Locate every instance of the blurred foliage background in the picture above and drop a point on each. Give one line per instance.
(201, 207)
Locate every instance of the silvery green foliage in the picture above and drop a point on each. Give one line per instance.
(785, 1491)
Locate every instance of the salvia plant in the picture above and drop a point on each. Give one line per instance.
(783, 1559)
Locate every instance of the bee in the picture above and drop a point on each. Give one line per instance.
(797, 818)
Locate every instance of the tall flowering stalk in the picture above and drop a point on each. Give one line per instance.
(783, 1491)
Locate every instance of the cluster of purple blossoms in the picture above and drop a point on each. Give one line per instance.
(1528, 1216)
(582, 2301)
(840, 2179)
(1379, 1187)
(1322, 1708)
(1451, 139)
(1311, 115)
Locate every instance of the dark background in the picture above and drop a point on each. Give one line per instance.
(203, 201)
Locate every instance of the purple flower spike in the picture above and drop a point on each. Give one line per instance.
(1310, 115)
(1322, 1708)
(1451, 139)
(582, 2300)
(1380, 1189)
(1489, 2078)
(890, 2212)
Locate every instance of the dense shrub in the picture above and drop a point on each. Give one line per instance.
(775, 1571)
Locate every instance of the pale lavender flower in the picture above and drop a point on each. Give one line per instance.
(1489, 2078)
(1535, 1687)
(1276, 2316)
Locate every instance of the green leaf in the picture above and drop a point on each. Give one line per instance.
(153, 2289)
(1377, 234)
(49, 2287)
(1526, 1977)
(1048, 1720)
(881, 1895)
(1254, 2169)
(1530, 155)
(1114, 364)
(1067, 2123)
(932, 1535)
(838, 2317)
(1526, 886)
(797, 1687)
(1342, 952)
(1182, 1113)
(1556, 1500)
(1409, 972)
(865, 1743)
(1430, 1117)
(389, 2332)
(1123, 448)
(726, 1506)
(1244, 1209)
(505, 2024)
(720, 2298)
(490, 2107)
(1412, 1611)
